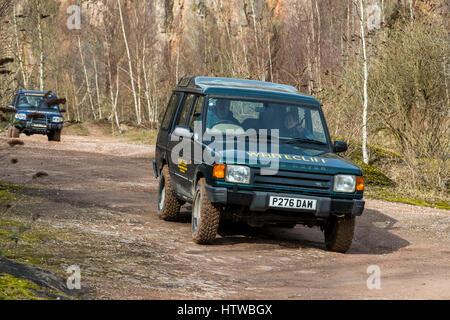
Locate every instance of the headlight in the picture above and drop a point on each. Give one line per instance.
(237, 174)
(57, 119)
(344, 183)
(21, 116)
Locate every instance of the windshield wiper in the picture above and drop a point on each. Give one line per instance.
(306, 140)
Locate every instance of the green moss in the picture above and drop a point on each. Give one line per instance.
(391, 194)
(8, 192)
(6, 196)
(12, 288)
(442, 205)
(373, 176)
(142, 137)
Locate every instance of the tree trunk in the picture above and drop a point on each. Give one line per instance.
(133, 89)
(317, 57)
(113, 98)
(19, 50)
(41, 53)
(366, 76)
(255, 31)
(88, 87)
(100, 114)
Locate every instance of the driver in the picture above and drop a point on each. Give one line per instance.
(294, 128)
(221, 113)
(23, 100)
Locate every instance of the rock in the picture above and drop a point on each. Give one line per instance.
(38, 276)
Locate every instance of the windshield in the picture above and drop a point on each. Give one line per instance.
(296, 123)
(33, 101)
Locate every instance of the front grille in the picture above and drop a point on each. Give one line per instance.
(42, 120)
(293, 180)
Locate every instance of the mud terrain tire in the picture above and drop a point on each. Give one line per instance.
(205, 216)
(54, 136)
(168, 204)
(339, 233)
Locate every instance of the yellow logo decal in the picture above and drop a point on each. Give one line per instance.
(287, 157)
(182, 165)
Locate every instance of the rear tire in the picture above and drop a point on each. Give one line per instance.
(205, 216)
(15, 132)
(339, 233)
(168, 205)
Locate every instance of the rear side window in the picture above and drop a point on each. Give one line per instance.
(184, 111)
(170, 110)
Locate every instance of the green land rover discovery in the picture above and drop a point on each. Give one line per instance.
(254, 152)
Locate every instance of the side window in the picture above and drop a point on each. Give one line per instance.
(197, 112)
(317, 126)
(170, 110)
(184, 110)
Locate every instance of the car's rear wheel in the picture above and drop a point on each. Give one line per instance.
(205, 216)
(54, 135)
(168, 204)
(339, 233)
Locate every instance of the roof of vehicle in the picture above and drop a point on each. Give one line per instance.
(244, 88)
(36, 92)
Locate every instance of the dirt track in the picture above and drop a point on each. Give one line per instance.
(101, 194)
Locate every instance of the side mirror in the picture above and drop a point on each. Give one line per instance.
(340, 146)
(62, 110)
(182, 132)
(11, 106)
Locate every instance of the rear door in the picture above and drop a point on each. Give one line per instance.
(162, 148)
(178, 161)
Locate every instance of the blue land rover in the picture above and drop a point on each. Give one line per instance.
(311, 184)
(36, 112)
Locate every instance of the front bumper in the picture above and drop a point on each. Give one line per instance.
(259, 201)
(32, 128)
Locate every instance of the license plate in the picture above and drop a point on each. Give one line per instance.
(293, 203)
(39, 125)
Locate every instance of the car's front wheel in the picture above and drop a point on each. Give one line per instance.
(205, 216)
(54, 135)
(13, 132)
(339, 233)
(168, 204)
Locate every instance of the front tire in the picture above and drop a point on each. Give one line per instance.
(339, 233)
(54, 135)
(205, 216)
(13, 132)
(168, 205)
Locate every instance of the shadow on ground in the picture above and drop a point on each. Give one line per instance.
(374, 234)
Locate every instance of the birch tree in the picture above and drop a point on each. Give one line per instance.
(19, 49)
(365, 76)
(130, 66)
(88, 87)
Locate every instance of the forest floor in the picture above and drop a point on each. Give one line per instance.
(90, 201)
